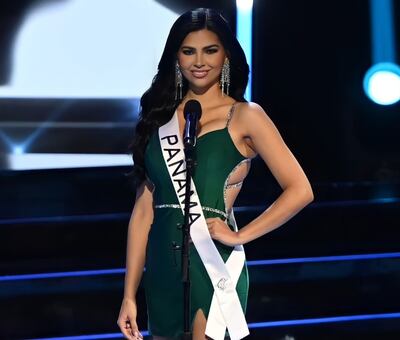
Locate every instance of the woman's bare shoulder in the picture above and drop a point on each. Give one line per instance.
(251, 108)
(250, 114)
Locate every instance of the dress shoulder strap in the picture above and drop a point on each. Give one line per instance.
(230, 114)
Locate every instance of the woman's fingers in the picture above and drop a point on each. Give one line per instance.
(127, 331)
(214, 225)
(137, 334)
(127, 320)
(128, 334)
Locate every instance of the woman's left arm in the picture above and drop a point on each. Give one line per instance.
(297, 192)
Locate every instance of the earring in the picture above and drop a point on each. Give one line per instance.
(225, 77)
(178, 81)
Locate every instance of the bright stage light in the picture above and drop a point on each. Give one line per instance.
(244, 34)
(19, 160)
(18, 150)
(382, 83)
(382, 80)
(244, 5)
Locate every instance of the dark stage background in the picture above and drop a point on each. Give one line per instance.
(309, 62)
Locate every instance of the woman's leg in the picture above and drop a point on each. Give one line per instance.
(199, 326)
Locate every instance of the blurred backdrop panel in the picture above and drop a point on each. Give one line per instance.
(71, 76)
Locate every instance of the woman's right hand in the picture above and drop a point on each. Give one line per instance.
(127, 320)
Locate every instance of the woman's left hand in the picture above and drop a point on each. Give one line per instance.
(221, 232)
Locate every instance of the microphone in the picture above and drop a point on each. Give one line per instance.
(192, 114)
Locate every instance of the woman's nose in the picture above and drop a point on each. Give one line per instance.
(199, 60)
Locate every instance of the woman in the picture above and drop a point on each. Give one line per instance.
(202, 60)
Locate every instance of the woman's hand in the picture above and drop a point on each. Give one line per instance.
(127, 320)
(221, 232)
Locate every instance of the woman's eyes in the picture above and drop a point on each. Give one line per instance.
(187, 52)
(210, 51)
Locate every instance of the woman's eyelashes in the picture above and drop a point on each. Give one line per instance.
(209, 51)
(187, 52)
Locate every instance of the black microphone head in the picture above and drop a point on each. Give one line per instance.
(192, 107)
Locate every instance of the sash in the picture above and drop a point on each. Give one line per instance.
(226, 310)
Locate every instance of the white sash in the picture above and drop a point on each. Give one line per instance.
(226, 310)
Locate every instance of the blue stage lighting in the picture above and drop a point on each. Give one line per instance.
(382, 83)
(114, 271)
(266, 324)
(244, 5)
(244, 23)
(331, 319)
(18, 149)
(382, 80)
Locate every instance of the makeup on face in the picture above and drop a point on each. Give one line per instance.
(201, 55)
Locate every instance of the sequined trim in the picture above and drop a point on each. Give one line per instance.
(226, 185)
(234, 185)
(230, 113)
(176, 206)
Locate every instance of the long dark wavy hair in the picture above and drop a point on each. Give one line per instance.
(158, 104)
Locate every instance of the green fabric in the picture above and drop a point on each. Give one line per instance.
(216, 157)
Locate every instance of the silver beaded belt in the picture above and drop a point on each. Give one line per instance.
(177, 206)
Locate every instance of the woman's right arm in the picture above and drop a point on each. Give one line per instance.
(138, 230)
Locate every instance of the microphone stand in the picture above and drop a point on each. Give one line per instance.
(190, 163)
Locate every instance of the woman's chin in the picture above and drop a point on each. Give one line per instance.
(201, 84)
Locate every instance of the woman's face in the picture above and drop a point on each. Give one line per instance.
(201, 57)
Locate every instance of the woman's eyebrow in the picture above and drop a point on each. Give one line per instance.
(209, 46)
(204, 48)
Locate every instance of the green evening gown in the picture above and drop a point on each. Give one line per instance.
(217, 157)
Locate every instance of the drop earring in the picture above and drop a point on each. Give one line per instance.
(225, 77)
(178, 82)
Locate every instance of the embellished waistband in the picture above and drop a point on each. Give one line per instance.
(177, 206)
